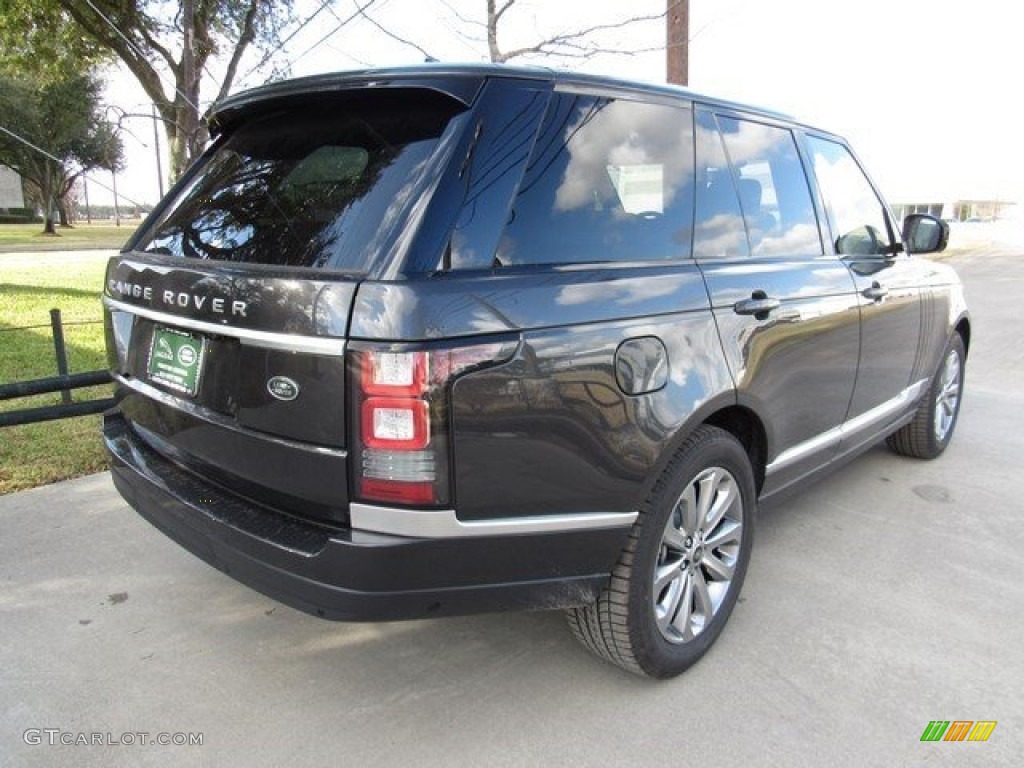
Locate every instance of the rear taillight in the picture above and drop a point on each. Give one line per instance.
(401, 419)
(395, 373)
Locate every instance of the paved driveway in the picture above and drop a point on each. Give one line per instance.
(886, 596)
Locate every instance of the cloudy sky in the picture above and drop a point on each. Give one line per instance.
(924, 89)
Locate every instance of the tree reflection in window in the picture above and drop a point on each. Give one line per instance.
(307, 192)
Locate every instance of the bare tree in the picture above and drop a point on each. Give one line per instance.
(170, 46)
(574, 44)
(579, 43)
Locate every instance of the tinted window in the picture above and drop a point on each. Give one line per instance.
(719, 231)
(306, 188)
(856, 214)
(773, 190)
(752, 192)
(607, 181)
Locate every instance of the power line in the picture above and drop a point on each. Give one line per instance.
(463, 39)
(341, 23)
(285, 42)
(142, 55)
(137, 50)
(85, 174)
(426, 54)
(349, 56)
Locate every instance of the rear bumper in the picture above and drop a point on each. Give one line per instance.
(351, 574)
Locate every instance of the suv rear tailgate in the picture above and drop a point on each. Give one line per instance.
(239, 377)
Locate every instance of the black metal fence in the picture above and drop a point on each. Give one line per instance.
(64, 382)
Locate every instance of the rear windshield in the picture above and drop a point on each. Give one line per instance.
(312, 186)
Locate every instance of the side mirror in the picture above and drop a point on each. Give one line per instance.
(925, 234)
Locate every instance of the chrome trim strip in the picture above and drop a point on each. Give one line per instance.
(315, 345)
(802, 450)
(837, 434)
(886, 409)
(211, 417)
(443, 524)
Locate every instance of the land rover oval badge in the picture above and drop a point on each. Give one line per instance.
(283, 388)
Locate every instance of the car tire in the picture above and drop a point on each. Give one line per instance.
(931, 429)
(676, 582)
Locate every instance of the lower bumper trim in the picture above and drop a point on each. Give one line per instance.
(438, 524)
(351, 574)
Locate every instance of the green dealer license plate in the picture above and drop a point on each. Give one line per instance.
(176, 360)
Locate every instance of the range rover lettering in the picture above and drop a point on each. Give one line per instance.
(432, 341)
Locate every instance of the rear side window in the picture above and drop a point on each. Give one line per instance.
(608, 181)
(719, 230)
(764, 182)
(310, 187)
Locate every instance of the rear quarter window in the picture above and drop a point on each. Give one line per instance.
(609, 181)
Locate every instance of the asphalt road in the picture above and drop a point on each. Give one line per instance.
(888, 595)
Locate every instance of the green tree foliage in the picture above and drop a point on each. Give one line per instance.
(62, 119)
(37, 38)
(172, 46)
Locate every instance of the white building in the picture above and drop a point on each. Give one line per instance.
(956, 210)
(11, 195)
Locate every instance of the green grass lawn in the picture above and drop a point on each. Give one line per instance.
(30, 237)
(30, 285)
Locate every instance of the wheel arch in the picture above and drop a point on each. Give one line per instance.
(738, 420)
(963, 327)
(745, 425)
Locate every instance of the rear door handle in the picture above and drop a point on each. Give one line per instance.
(758, 305)
(876, 292)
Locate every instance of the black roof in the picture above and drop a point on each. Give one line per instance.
(459, 81)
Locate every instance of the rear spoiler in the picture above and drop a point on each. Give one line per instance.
(457, 87)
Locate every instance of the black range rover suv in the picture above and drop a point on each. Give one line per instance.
(407, 343)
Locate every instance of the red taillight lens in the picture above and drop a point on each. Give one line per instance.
(399, 424)
(400, 417)
(401, 449)
(397, 492)
(395, 373)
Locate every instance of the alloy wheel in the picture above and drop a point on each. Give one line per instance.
(698, 555)
(947, 400)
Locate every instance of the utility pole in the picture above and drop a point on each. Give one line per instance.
(117, 210)
(156, 148)
(85, 188)
(677, 41)
(188, 65)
